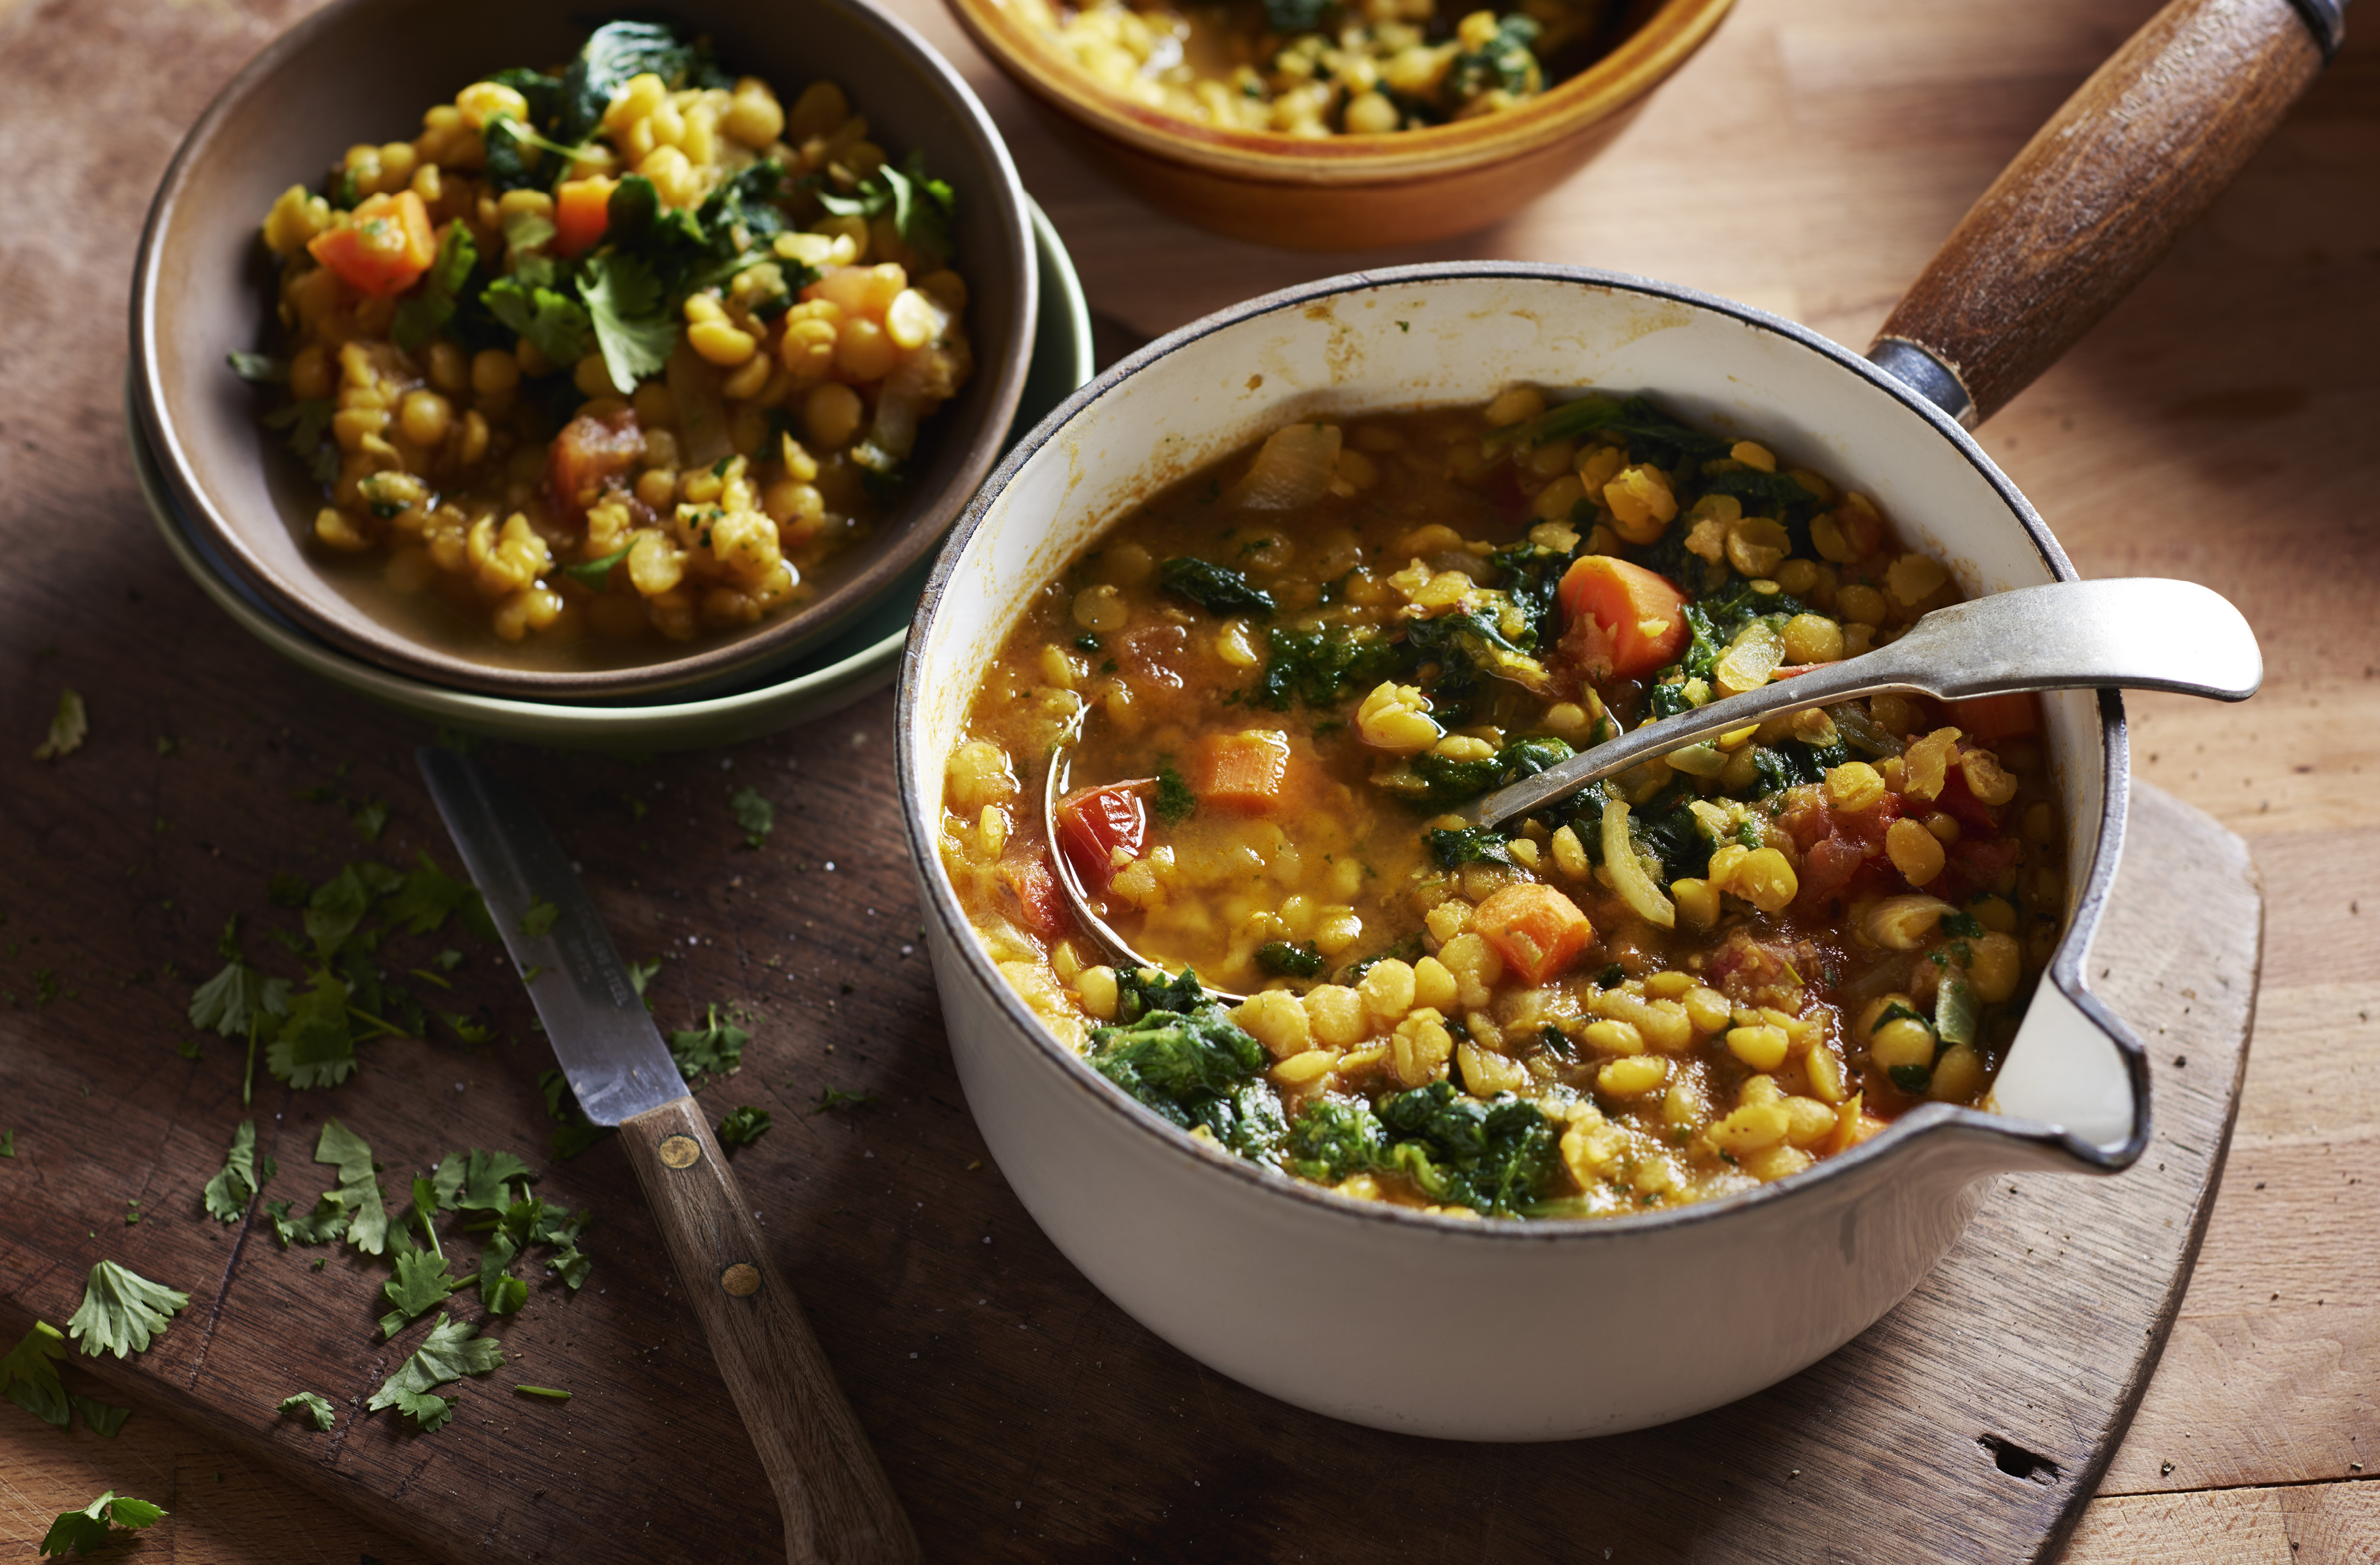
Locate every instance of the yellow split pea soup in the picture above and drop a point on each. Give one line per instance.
(1276, 677)
(617, 355)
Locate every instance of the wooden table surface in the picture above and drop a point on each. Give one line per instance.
(2224, 425)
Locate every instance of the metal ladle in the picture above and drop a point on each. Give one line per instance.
(2144, 633)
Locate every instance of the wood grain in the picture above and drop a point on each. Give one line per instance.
(2215, 426)
(2103, 191)
(830, 1490)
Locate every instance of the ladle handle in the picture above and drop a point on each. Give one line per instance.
(2098, 195)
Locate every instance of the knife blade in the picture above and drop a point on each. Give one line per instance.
(595, 1021)
(838, 1506)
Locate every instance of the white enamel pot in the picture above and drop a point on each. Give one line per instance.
(1592, 1327)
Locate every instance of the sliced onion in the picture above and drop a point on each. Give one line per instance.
(1628, 875)
(1294, 469)
(1698, 761)
(1901, 923)
(1757, 654)
(701, 412)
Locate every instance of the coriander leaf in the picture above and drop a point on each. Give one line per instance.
(716, 1046)
(312, 1047)
(452, 1350)
(429, 894)
(359, 1190)
(556, 324)
(527, 230)
(228, 1002)
(548, 1392)
(1294, 961)
(640, 974)
(369, 819)
(421, 1282)
(612, 55)
(337, 905)
(310, 1405)
(633, 325)
(1175, 803)
(121, 1311)
(479, 1181)
(99, 1417)
(1216, 588)
(30, 1373)
(7, 1143)
(327, 1221)
(500, 1292)
(227, 1194)
(594, 573)
(258, 370)
(69, 726)
(425, 314)
(538, 917)
(755, 814)
(835, 1098)
(86, 1531)
(743, 1125)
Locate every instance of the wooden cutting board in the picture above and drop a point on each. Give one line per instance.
(1019, 1413)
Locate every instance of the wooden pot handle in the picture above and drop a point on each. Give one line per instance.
(2098, 195)
(837, 1506)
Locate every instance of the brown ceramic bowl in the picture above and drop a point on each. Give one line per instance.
(1351, 192)
(364, 70)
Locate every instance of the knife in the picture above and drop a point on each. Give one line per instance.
(836, 1502)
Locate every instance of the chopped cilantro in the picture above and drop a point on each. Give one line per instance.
(424, 314)
(452, 1350)
(743, 1125)
(29, 1374)
(835, 1098)
(1294, 961)
(1912, 1078)
(1963, 925)
(258, 370)
(573, 1133)
(593, 574)
(421, 1284)
(1175, 803)
(369, 819)
(313, 1046)
(547, 1391)
(539, 917)
(312, 1405)
(755, 814)
(716, 1047)
(7, 1143)
(122, 1311)
(87, 1531)
(227, 1196)
(921, 205)
(1216, 588)
(633, 325)
(69, 726)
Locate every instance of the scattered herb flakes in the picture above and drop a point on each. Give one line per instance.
(313, 1406)
(715, 1048)
(835, 1098)
(313, 1046)
(1176, 802)
(743, 1125)
(548, 1392)
(755, 814)
(453, 1349)
(539, 917)
(87, 1531)
(68, 728)
(7, 1143)
(122, 1311)
(29, 1374)
(463, 1027)
(369, 819)
(227, 1194)
(131, 1213)
(642, 974)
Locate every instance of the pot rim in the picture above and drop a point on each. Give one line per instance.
(839, 605)
(2067, 969)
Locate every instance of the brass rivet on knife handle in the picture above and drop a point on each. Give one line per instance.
(838, 1506)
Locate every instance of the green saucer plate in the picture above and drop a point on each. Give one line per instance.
(861, 661)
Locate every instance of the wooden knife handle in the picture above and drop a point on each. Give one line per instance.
(838, 1508)
(2103, 189)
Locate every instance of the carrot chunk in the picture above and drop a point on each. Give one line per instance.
(1537, 930)
(1640, 612)
(1242, 771)
(384, 248)
(1999, 717)
(582, 211)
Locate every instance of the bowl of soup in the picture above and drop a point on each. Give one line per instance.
(558, 357)
(1341, 127)
(1671, 1088)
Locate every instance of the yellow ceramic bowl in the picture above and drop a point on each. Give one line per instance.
(1349, 192)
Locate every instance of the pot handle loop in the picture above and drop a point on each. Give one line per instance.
(2099, 194)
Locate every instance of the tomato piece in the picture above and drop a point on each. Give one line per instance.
(582, 211)
(1242, 771)
(383, 248)
(1093, 824)
(1040, 905)
(1641, 613)
(1537, 930)
(1989, 718)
